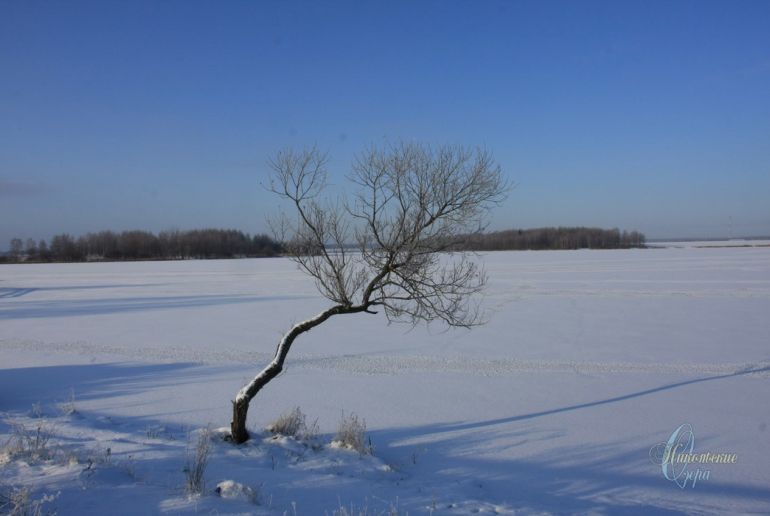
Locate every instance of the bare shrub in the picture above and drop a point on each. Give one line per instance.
(37, 410)
(197, 460)
(29, 443)
(68, 407)
(19, 503)
(351, 434)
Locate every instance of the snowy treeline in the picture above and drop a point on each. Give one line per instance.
(143, 245)
(553, 238)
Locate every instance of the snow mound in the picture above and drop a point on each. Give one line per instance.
(233, 490)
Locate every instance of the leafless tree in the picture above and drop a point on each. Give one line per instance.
(30, 248)
(16, 249)
(386, 248)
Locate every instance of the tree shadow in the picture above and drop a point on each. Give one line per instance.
(74, 308)
(615, 477)
(473, 464)
(9, 292)
(23, 386)
(615, 399)
(592, 478)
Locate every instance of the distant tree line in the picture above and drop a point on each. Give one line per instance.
(144, 245)
(230, 243)
(552, 238)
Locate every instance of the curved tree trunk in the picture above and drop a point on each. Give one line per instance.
(246, 394)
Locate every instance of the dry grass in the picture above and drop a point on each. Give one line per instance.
(294, 424)
(29, 443)
(351, 434)
(289, 424)
(19, 503)
(352, 510)
(68, 407)
(197, 460)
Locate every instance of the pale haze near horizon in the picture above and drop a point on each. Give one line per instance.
(642, 116)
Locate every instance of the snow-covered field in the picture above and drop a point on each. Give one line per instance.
(734, 242)
(589, 360)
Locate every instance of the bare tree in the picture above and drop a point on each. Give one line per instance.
(16, 248)
(383, 249)
(31, 248)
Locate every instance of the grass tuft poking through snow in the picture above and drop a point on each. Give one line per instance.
(351, 434)
(364, 510)
(294, 424)
(289, 424)
(68, 407)
(197, 460)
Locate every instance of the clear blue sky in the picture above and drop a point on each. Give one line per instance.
(640, 115)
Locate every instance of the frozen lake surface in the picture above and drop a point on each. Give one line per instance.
(589, 360)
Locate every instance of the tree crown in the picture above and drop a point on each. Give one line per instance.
(388, 245)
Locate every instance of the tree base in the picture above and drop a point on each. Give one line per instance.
(238, 431)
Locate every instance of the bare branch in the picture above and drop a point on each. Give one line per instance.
(412, 204)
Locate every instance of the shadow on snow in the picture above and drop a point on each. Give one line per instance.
(451, 463)
(73, 308)
(9, 292)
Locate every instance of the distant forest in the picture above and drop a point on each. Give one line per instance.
(231, 243)
(553, 238)
(143, 245)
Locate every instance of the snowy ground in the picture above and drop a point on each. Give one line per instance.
(733, 242)
(589, 360)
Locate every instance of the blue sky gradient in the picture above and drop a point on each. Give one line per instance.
(652, 116)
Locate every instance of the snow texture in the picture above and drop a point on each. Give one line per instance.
(589, 360)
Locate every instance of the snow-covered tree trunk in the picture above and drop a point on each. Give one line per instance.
(241, 402)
